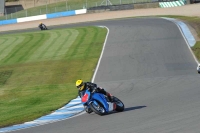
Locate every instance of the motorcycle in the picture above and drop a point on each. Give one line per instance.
(100, 104)
(42, 27)
(198, 68)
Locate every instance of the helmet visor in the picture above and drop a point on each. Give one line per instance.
(80, 86)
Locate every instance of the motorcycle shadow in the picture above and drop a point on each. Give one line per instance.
(133, 108)
(126, 109)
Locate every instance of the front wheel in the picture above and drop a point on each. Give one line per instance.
(119, 104)
(97, 108)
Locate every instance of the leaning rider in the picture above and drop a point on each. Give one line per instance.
(82, 86)
(42, 26)
(198, 68)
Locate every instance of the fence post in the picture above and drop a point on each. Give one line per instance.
(46, 6)
(66, 5)
(6, 14)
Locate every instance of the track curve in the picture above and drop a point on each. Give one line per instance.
(147, 64)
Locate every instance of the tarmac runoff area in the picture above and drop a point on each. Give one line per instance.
(74, 107)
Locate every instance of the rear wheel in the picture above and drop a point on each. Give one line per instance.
(119, 104)
(97, 108)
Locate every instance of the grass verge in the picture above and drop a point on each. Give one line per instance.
(38, 70)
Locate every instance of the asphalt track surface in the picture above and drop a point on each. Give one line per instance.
(147, 64)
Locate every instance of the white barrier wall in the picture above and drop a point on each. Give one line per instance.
(39, 17)
(82, 11)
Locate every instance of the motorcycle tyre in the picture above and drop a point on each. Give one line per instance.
(43, 28)
(118, 108)
(95, 110)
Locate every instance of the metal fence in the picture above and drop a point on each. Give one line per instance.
(12, 12)
(2, 4)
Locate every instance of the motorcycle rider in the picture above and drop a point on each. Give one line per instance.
(198, 68)
(42, 26)
(82, 86)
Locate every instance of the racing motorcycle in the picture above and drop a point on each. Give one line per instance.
(198, 68)
(42, 26)
(100, 104)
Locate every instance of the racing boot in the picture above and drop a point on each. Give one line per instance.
(110, 98)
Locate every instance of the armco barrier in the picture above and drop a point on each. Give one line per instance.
(45, 16)
(81, 11)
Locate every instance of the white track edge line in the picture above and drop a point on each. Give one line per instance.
(97, 67)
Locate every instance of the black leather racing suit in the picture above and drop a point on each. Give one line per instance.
(42, 26)
(91, 86)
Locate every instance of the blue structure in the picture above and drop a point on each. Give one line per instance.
(61, 14)
(10, 21)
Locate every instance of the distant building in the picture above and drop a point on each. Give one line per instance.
(2, 7)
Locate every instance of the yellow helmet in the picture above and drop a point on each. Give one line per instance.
(80, 84)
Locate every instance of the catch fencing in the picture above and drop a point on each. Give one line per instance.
(47, 6)
(2, 5)
(19, 9)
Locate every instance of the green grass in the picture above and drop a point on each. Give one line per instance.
(196, 50)
(4, 75)
(38, 70)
